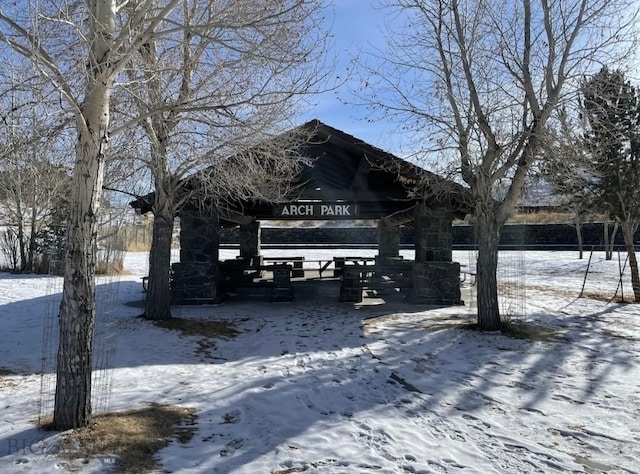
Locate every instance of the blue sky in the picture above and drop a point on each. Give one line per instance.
(356, 26)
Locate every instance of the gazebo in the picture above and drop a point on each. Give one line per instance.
(346, 179)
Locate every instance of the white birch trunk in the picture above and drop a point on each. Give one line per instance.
(72, 407)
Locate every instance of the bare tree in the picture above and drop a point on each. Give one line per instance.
(477, 82)
(34, 178)
(38, 32)
(565, 167)
(203, 98)
(82, 48)
(32, 192)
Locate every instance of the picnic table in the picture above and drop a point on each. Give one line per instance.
(380, 277)
(322, 265)
(295, 262)
(238, 273)
(340, 263)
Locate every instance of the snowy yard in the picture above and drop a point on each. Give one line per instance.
(319, 386)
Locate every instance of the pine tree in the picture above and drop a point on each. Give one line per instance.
(611, 105)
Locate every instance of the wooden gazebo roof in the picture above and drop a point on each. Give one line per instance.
(345, 169)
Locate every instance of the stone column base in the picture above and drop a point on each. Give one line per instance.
(350, 285)
(196, 283)
(281, 289)
(436, 283)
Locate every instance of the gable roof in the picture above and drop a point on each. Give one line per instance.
(343, 168)
(347, 168)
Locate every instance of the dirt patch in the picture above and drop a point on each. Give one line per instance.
(4, 381)
(208, 331)
(617, 335)
(434, 323)
(131, 439)
(607, 297)
(196, 327)
(530, 331)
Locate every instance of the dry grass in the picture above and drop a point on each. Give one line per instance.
(549, 217)
(616, 335)
(604, 296)
(131, 439)
(434, 323)
(4, 382)
(542, 218)
(139, 247)
(111, 268)
(530, 331)
(609, 297)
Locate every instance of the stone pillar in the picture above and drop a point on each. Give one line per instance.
(250, 241)
(196, 283)
(199, 237)
(435, 277)
(282, 289)
(351, 285)
(436, 283)
(196, 278)
(388, 240)
(433, 235)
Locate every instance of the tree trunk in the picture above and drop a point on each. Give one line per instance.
(72, 408)
(578, 226)
(77, 321)
(21, 237)
(628, 231)
(612, 240)
(488, 236)
(605, 229)
(23, 248)
(33, 234)
(77, 310)
(159, 291)
(609, 239)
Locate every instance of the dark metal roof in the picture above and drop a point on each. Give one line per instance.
(345, 168)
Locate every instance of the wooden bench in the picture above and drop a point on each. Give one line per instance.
(357, 278)
(295, 262)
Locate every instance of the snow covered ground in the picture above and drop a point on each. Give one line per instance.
(320, 386)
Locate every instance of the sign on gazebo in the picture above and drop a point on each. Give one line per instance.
(316, 210)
